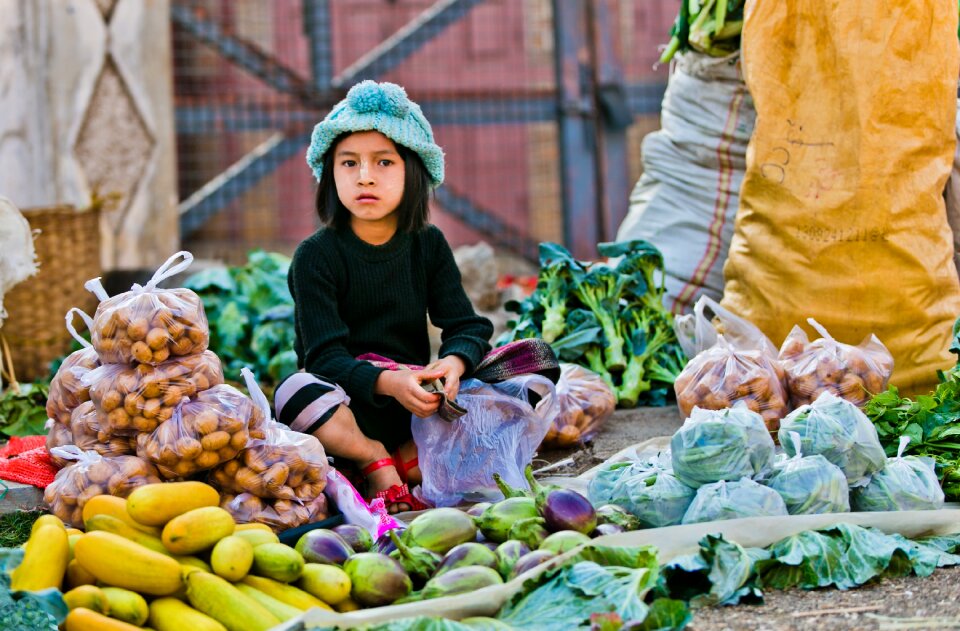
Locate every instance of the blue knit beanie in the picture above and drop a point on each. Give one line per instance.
(383, 107)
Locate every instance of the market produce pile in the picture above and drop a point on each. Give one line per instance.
(145, 401)
(608, 317)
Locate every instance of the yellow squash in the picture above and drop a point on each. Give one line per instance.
(226, 604)
(284, 593)
(280, 609)
(44, 560)
(156, 504)
(197, 530)
(83, 619)
(115, 507)
(121, 562)
(109, 523)
(231, 558)
(170, 614)
(126, 605)
(89, 596)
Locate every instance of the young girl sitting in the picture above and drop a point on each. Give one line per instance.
(366, 283)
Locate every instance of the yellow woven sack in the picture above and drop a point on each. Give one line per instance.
(841, 212)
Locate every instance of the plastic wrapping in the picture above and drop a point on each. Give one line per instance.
(283, 465)
(137, 398)
(837, 430)
(586, 402)
(247, 508)
(147, 324)
(651, 493)
(91, 475)
(733, 500)
(203, 432)
(906, 483)
(735, 363)
(810, 484)
(67, 388)
(58, 435)
(714, 445)
(854, 373)
(499, 434)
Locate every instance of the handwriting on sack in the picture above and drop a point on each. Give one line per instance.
(816, 160)
(821, 234)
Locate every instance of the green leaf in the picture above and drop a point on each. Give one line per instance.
(24, 413)
(808, 560)
(721, 573)
(231, 328)
(214, 279)
(666, 614)
(632, 557)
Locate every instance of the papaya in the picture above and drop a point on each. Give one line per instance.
(277, 561)
(327, 582)
(196, 530)
(278, 608)
(109, 523)
(126, 605)
(83, 619)
(214, 596)
(170, 614)
(115, 507)
(123, 563)
(156, 504)
(284, 593)
(89, 596)
(44, 560)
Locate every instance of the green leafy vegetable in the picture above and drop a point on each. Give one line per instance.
(250, 311)
(23, 409)
(721, 573)
(712, 27)
(39, 610)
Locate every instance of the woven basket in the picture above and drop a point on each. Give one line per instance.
(68, 248)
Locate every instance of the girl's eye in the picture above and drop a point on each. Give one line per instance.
(386, 163)
(349, 163)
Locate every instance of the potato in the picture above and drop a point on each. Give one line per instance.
(150, 326)
(278, 514)
(67, 389)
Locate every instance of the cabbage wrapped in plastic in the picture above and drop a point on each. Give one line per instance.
(733, 500)
(651, 493)
(714, 445)
(600, 490)
(837, 430)
(810, 484)
(906, 483)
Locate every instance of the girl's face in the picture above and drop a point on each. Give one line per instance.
(369, 175)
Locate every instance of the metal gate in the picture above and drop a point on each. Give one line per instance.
(539, 105)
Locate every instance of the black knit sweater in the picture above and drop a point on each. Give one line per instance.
(352, 298)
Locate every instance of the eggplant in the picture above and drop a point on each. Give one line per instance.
(376, 579)
(508, 553)
(467, 554)
(564, 541)
(323, 546)
(531, 531)
(496, 521)
(613, 514)
(384, 544)
(531, 560)
(607, 529)
(510, 491)
(357, 538)
(563, 509)
(477, 509)
(460, 581)
(440, 529)
(418, 562)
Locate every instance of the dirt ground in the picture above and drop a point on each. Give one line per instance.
(932, 602)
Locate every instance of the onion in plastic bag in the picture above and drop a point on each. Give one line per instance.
(837, 430)
(649, 492)
(733, 500)
(810, 484)
(714, 445)
(906, 483)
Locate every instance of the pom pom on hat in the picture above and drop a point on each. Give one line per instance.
(382, 107)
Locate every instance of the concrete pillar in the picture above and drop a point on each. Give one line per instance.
(86, 95)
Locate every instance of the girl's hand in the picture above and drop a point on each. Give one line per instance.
(451, 368)
(404, 386)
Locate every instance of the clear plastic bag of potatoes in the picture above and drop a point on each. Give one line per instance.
(854, 373)
(284, 465)
(86, 427)
(58, 435)
(67, 389)
(731, 362)
(90, 475)
(280, 515)
(203, 432)
(586, 402)
(136, 398)
(149, 325)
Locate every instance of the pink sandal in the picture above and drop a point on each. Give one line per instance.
(398, 493)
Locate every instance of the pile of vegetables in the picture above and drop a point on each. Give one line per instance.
(608, 317)
(23, 409)
(707, 26)
(931, 421)
(250, 312)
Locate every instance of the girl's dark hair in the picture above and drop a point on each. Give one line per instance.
(413, 213)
